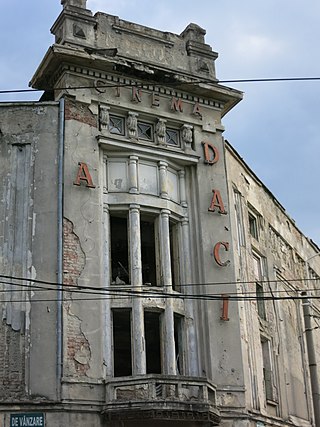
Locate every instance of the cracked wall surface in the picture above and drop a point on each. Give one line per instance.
(81, 248)
(28, 212)
(78, 348)
(273, 340)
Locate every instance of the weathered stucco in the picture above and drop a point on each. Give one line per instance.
(286, 254)
(28, 150)
(162, 224)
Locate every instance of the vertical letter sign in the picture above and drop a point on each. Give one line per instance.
(84, 175)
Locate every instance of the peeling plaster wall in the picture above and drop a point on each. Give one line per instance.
(28, 212)
(83, 329)
(218, 338)
(284, 249)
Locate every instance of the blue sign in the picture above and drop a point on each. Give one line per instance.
(27, 420)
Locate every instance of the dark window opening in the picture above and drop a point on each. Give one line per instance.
(152, 340)
(122, 343)
(260, 301)
(145, 131)
(148, 253)
(178, 339)
(259, 268)
(174, 254)
(119, 251)
(116, 125)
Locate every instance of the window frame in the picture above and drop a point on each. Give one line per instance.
(260, 275)
(116, 358)
(268, 369)
(177, 132)
(123, 120)
(151, 127)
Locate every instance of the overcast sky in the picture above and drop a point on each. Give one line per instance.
(275, 128)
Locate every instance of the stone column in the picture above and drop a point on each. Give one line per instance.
(107, 330)
(105, 173)
(138, 339)
(182, 183)
(192, 345)
(169, 344)
(163, 179)
(133, 174)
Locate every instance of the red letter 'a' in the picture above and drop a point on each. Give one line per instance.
(84, 175)
(217, 202)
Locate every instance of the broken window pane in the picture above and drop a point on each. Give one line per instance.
(178, 338)
(122, 362)
(148, 253)
(152, 340)
(119, 251)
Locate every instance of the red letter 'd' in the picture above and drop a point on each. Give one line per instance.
(214, 157)
(216, 253)
(84, 175)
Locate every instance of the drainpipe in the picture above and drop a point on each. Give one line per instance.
(60, 246)
(311, 351)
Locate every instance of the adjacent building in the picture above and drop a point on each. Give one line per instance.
(148, 274)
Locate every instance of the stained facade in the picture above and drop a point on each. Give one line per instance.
(139, 234)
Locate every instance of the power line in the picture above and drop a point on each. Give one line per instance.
(109, 292)
(240, 282)
(171, 296)
(172, 84)
(268, 79)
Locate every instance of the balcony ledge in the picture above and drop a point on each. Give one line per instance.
(163, 398)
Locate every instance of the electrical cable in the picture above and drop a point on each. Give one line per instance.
(125, 293)
(243, 282)
(252, 80)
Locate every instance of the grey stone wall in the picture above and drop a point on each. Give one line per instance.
(28, 248)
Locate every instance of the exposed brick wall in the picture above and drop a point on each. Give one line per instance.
(77, 350)
(12, 363)
(73, 256)
(75, 110)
